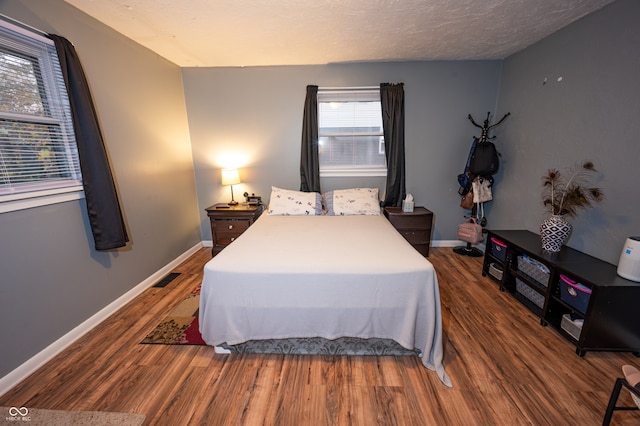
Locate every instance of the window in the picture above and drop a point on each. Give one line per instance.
(38, 153)
(351, 140)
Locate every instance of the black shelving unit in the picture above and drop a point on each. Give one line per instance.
(612, 318)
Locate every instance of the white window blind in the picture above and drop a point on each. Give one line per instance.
(351, 140)
(38, 153)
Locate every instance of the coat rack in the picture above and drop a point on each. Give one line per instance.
(484, 137)
(469, 250)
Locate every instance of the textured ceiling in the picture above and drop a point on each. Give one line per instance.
(216, 33)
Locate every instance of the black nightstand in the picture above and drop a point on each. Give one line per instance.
(229, 222)
(415, 226)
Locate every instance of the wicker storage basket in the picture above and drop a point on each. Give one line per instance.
(495, 270)
(574, 328)
(529, 293)
(534, 270)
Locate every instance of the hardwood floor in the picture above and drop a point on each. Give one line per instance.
(506, 369)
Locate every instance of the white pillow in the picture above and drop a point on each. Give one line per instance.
(356, 201)
(284, 202)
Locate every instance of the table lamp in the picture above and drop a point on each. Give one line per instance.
(230, 177)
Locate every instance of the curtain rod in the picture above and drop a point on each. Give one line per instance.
(350, 88)
(21, 27)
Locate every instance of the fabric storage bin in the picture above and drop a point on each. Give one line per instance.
(573, 327)
(533, 269)
(498, 249)
(495, 270)
(526, 290)
(574, 294)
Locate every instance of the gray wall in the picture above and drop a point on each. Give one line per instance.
(252, 117)
(593, 113)
(51, 279)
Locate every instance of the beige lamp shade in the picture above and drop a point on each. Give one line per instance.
(230, 176)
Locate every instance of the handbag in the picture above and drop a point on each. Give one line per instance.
(467, 200)
(470, 231)
(481, 190)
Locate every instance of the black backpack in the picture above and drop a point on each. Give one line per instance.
(484, 161)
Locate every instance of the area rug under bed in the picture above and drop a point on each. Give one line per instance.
(181, 327)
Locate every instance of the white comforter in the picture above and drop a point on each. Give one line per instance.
(323, 276)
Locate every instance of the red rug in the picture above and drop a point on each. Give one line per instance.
(181, 326)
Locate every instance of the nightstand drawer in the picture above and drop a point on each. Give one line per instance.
(416, 236)
(230, 226)
(410, 222)
(227, 230)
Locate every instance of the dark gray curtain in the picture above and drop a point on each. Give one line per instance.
(309, 163)
(392, 102)
(103, 207)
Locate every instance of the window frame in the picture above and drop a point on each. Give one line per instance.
(28, 43)
(351, 94)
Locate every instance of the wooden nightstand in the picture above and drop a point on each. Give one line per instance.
(415, 227)
(229, 222)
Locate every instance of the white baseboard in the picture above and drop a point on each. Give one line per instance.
(446, 243)
(454, 243)
(31, 365)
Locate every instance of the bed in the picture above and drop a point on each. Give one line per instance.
(298, 276)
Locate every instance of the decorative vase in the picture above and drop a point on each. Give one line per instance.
(554, 231)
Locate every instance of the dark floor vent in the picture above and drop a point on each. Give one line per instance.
(166, 280)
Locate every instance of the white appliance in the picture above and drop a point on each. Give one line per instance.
(629, 265)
